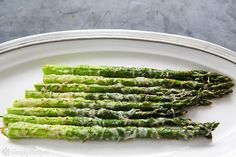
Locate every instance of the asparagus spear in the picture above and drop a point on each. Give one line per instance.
(87, 121)
(73, 87)
(221, 86)
(139, 81)
(100, 113)
(106, 96)
(114, 105)
(131, 72)
(29, 130)
(113, 96)
(109, 96)
(167, 96)
(94, 88)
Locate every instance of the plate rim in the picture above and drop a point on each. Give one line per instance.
(137, 35)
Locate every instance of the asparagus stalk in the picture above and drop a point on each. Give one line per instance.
(87, 121)
(29, 130)
(139, 81)
(114, 105)
(168, 96)
(73, 87)
(113, 96)
(94, 88)
(107, 96)
(100, 113)
(131, 72)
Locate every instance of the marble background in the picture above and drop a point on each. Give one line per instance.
(210, 20)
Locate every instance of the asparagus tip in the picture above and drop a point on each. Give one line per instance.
(214, 125)
(210, 127)
(209, 136)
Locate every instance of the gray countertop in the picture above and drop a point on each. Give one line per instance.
(211, 20)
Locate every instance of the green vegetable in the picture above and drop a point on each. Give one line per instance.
(94, 88)
(87, 121)
(109, 96)
(139, 81)
(132, 72)
(29, 130)
(108, 104)
(100, 113)
(114, 103)
(165, 96)
(106, 96)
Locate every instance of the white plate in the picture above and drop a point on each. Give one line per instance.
(21, 62)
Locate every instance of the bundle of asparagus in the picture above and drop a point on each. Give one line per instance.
(114, 103)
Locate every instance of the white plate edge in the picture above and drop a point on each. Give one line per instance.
(119, 34)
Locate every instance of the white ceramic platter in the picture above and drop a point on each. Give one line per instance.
(21, 62)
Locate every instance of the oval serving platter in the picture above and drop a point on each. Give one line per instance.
(21, 61)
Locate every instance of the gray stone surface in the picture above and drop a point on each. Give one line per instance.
(210, 20)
